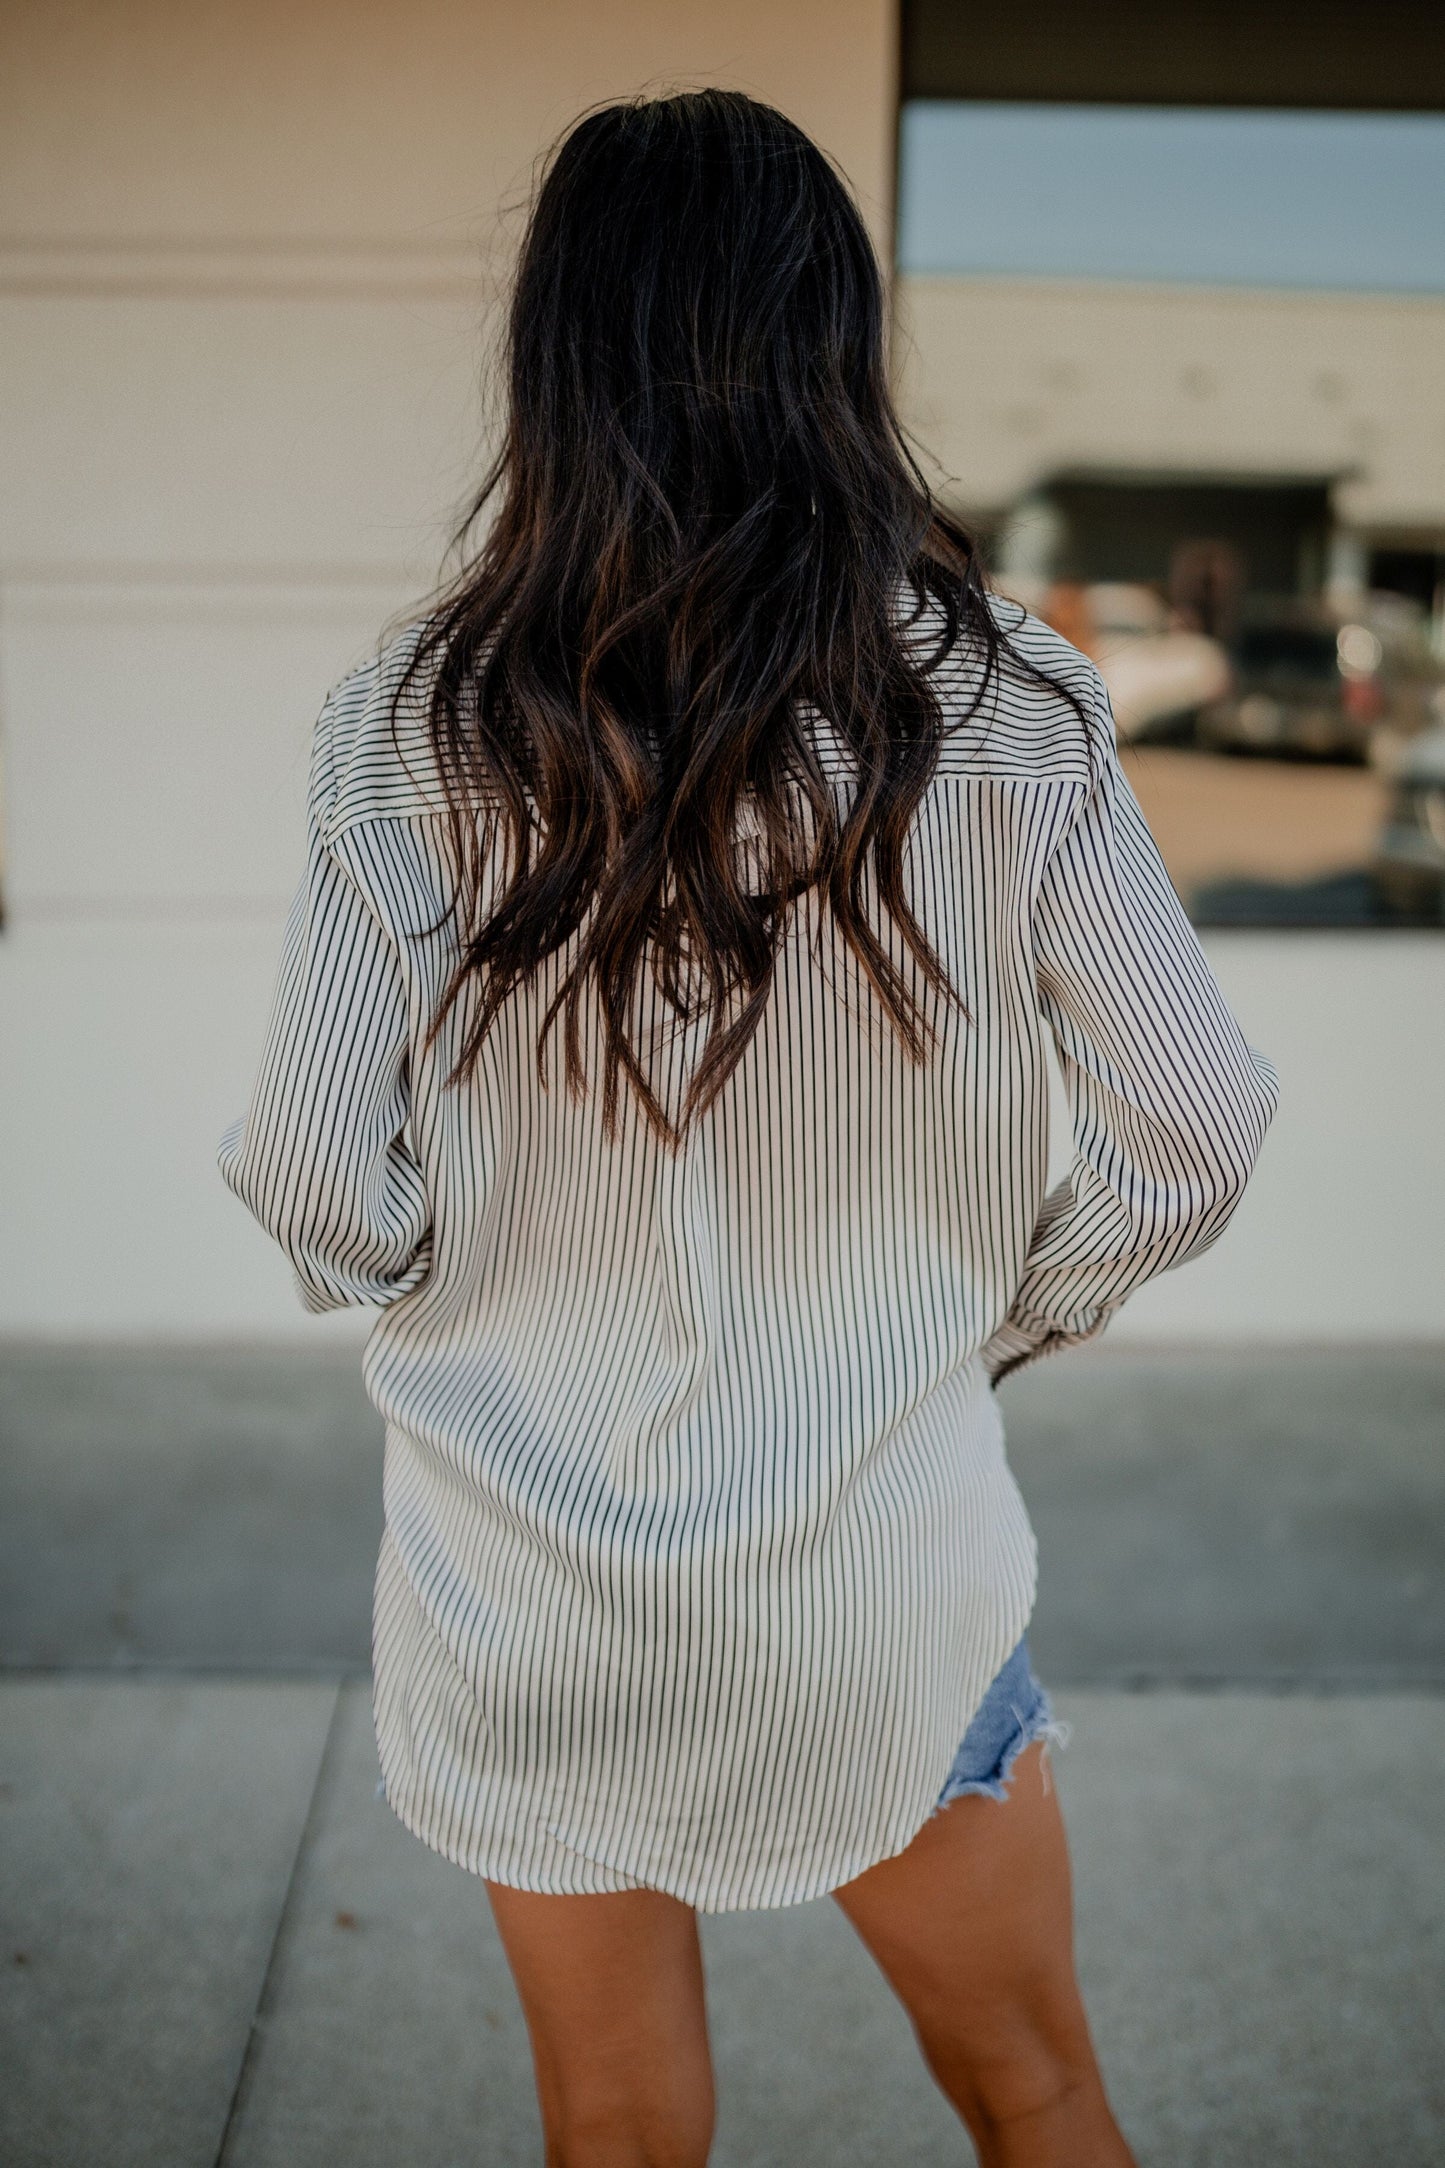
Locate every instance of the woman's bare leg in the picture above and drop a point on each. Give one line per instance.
(972, 1926)
(612, 1991)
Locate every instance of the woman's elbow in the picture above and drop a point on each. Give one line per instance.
(345, 1279)
(1249, 1109)
(1230, 1153)
(340, 1259)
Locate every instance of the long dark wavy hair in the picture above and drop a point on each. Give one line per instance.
(706, 527)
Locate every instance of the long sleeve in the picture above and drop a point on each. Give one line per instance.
(321, 1156)
(1168, 1103)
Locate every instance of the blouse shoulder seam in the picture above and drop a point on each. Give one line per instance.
(372, 816)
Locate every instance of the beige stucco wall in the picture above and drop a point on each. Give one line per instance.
(286, 123)
(247, 262)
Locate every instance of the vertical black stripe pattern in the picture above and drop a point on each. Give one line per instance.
(701, 1546)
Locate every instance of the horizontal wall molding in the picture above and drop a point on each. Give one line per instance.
(320, 270)
(104, 911)
(53, 591)
(250, 268)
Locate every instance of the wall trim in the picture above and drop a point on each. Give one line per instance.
(250, 267)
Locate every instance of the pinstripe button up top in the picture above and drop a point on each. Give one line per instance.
(701, 1548)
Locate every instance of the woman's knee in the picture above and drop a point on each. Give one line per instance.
(1012, 2056)
(621, 2133)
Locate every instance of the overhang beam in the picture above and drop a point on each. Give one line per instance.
(1386, 57)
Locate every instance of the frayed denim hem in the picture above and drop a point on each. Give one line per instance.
(1014, 1714)
(1041, 1724)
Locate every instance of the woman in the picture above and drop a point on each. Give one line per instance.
(660, 1040)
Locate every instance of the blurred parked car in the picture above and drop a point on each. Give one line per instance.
(1307, 682)
(1158, 674)
(1409, 866)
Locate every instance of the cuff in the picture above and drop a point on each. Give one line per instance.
(1022, 1338)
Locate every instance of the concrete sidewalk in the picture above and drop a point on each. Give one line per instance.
(220, 1947)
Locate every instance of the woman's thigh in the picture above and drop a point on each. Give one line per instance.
(612, 1990)
(972, 1926)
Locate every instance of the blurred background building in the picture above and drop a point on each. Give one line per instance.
(1170, 318)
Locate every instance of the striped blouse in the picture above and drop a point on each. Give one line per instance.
(701, 1547)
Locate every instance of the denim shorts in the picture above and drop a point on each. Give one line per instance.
(1014, 1713)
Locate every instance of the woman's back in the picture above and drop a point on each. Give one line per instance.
(659, 1045)
(701, 1546)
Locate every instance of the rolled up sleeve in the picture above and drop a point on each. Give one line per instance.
(1169, 1104)
(322, 1156)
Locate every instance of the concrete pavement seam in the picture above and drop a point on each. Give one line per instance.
(265, 2000)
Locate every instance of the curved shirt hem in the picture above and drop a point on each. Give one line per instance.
(595, 1875)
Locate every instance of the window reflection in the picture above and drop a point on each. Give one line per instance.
(1195, 416)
